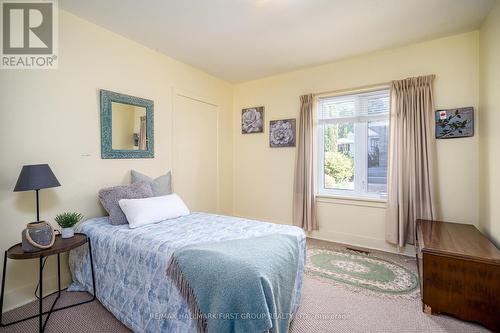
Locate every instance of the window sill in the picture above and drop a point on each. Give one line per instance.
(353, 201)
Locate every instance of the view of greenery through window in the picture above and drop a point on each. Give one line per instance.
(339, 159)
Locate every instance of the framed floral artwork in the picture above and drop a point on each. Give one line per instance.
(252, 120)
(455, 123)
(282, 133)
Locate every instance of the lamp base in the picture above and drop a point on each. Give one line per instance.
(37, 236)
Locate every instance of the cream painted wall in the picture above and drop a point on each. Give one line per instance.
(52, 116)
(263, 176)
(490, 117)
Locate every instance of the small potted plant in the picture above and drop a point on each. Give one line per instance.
(67, 222)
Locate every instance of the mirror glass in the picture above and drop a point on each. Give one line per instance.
(129, 129)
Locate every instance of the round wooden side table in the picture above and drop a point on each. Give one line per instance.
(60, 245)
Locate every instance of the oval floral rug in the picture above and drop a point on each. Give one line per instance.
(362, 272)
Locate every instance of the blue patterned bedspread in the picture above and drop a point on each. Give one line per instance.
(130, 265)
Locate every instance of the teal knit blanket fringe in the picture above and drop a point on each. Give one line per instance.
(238, 285)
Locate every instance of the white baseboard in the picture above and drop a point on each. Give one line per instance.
(364, 242)
(350, 239)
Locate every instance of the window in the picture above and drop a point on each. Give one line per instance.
(353, 133)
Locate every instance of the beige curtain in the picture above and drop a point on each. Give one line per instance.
(411, 158)
(142, 135)
(304, 203)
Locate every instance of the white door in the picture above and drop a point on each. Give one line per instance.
(195, 157)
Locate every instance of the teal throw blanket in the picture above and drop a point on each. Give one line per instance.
(238, 285)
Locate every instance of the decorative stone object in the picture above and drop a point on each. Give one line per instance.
(37, 236)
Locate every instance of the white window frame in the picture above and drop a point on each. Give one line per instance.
(360, 155)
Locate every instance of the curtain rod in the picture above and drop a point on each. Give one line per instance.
(382, 84)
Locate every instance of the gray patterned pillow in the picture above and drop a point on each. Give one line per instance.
(161, 186)
(110, 196)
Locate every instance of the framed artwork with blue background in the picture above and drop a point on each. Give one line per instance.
(455, 123)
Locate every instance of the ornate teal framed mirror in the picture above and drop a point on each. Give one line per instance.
(127, 126)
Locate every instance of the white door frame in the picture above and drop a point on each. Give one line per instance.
(176, 92)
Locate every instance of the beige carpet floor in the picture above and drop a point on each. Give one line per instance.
(325, 307)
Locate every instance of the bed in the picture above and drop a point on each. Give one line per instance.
(130, 265)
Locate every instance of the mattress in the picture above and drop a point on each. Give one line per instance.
(130, 265)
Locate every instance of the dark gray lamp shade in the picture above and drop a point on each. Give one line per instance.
(36, 177)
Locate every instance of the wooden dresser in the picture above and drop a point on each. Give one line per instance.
(459, 272)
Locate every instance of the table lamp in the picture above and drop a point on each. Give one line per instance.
(36, 177)
(38, 235)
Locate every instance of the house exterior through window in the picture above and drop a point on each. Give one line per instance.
(353, 135)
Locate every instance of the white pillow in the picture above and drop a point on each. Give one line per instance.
(145, 211)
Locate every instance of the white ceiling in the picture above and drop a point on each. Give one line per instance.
(240, 40)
